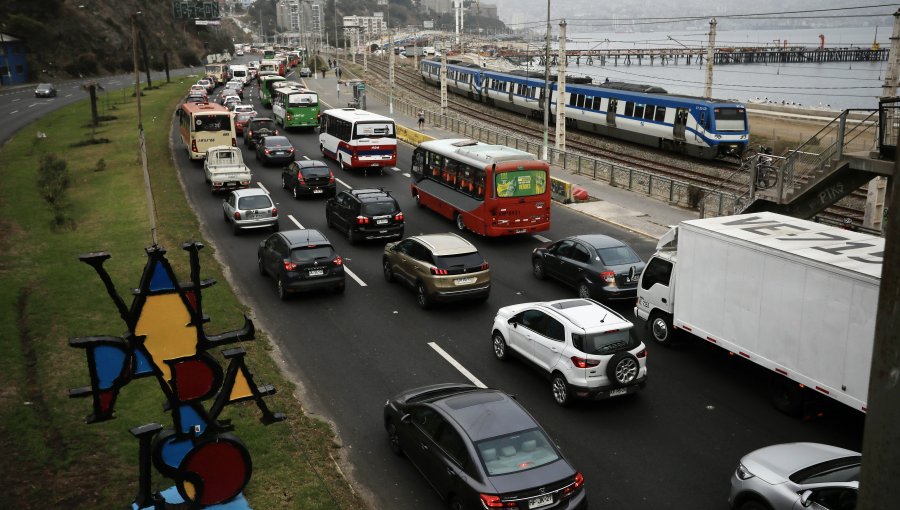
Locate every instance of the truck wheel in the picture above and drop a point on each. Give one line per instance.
(622, 368)
(786, 395)
(661, 330)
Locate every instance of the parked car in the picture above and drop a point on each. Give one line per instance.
(440, 267)
(598, 266)
(308, 177)
(479, 448)
(257, 128)
(300, 260)
(586, 350)
(275, 150)
(241, 120)
(305, 72)
(45, 90)
(365, 214)
(250, 208)
(794, 476)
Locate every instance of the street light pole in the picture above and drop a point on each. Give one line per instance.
(546, 154)
(151, 210)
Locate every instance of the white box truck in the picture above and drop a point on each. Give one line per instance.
(796, 297)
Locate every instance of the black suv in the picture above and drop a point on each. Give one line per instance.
(308, 178)
(258, 128)
(300, 260)
(365, 214)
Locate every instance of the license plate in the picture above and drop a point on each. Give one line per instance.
(540, 501)
(521, 231)
(464, 281)
(618, 391)
(316, 272)
(381, 222)
(317, 191)
(231, 183)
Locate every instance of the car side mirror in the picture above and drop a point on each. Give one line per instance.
(262, 244)
(512, 322)
(406, 419)
(806, 498)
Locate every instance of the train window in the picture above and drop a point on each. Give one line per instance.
(639, 110)
(660, 114)
(629, 108)
(597, 101)
(572, 99)
(580, 102)
(649, 111)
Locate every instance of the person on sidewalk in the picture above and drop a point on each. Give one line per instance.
(323, 73)
(421, 118)
(337, 72)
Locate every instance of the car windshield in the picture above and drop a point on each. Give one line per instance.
(618, 256)
(473, 259)
(516, 452)
(315, 171)
(311, 253)
(379, 208)
(44, 86)
(605, 343)
(254, 202)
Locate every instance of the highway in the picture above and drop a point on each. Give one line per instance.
(674, 445)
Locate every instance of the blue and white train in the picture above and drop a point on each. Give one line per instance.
(704, 128)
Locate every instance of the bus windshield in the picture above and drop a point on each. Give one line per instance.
(303, 99)
(520, 183)
(214, 122)
(374, 130)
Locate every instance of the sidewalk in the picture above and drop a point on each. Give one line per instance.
(617, 206)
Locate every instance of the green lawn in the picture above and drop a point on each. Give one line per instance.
(50, 457)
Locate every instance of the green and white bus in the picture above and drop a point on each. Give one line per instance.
(267, 86)
(295, 106)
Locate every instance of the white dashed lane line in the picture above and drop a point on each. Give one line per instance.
(456, 365)
(541, 238)
(344, 184)
(264, 189)
(14, 112)
(405, 175)
(347, 269)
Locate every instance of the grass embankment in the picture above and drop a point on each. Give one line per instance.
(50, 457)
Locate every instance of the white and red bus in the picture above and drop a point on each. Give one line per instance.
(357, 138)
(492, 190)
(205, 125)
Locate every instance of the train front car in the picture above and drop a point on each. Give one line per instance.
(730, 129)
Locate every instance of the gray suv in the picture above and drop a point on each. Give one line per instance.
(250, 208)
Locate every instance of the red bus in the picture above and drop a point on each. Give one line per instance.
(492, 190)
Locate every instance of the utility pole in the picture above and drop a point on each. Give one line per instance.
(390, 58)
(443, 78)
(890, 78)
(561, 91)
(546, 102)
(710, 56)
(151, 211)
(336, 57)
(456, 12)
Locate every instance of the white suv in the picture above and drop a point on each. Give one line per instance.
(587, 350)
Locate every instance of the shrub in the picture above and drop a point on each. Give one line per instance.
(695, 195)
(53, 180)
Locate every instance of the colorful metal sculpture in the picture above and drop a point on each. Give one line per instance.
(165, 339)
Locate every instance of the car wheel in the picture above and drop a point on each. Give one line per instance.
(322, 149)
(537, 267)
(752, 504)
(456, 504)
(281, 289)
(295, 192)
(275, 227)
(284, 182)
(584, 291)
(660, 325)
(235, 229)
(422, 298)
(460, 222)
(418, 201)
(388, 272)
(259, 264)
(561, 393)
(499, 346)
(328, 220)
(622, 368)
(225, 216)
(394, 439)
(352, 236)
(340, 288)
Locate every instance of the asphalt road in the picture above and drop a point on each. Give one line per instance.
(674, 445)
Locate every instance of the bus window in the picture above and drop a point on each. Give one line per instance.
(212, 122)
(435, 164)
(479, 184)
(418, 163)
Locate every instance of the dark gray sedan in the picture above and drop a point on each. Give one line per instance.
(598, 266)
(45, 90)
(275, 150)
(480, 449)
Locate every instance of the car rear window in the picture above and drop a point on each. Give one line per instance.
(276, 141)
(605, 343)
(516, 452)
(254, 202)
(379, 208)
(473, 259)
(311, 253)
(268, 124)
(213, 122)
(618, 255)
(315, 171)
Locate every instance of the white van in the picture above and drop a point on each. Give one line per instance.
(240, 72)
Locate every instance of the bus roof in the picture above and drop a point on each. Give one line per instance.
(473, 151)
(195, 108)
(355, 115)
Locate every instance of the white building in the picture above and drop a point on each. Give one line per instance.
(369, 27)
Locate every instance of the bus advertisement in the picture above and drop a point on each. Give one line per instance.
(357, 138)
(295, 106)
(267, 86)
(205, 125)
(492, 190)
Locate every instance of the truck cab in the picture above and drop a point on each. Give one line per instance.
(656, 290)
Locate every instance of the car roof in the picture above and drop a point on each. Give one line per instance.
(308, 163)
(598, 241)
(261, 119)
(371, 194)
(587, 314)
(446, 244)
(246, 192)
(303, 237)
(484, 413)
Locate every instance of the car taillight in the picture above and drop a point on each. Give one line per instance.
(338, 260)
(236, 215)
(608, 276)
(291, 150)
(362, 220)
(267, 151)
(493, 501)
(579, 483)
(642, 354)
(485, 266)
(274, 212)
(194, 146)
(330, 178)
(233, 142)
(584, 363)
(398, 216)
(435, 270)
(289, 116)
(289, 266)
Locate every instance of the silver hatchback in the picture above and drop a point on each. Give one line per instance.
(250, 208)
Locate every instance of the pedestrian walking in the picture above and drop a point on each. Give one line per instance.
(421, 118)
(323, 73)
(337, 72)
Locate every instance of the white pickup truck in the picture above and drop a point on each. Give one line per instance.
(225, 169)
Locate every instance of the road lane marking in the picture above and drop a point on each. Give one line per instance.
(405, 175)
(306, 158)
(346, 269)
(343, 183)
(456, 365)
(14, 111)
(541, 238)
(68, 95)
(34, 104)
(14, 100)
(395, 169)
(264, 189)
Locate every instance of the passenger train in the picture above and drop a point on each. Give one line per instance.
(703, 128)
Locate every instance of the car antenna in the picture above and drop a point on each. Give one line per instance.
(604, 317)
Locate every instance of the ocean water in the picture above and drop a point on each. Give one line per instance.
(833, 85)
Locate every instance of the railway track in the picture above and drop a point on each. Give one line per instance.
(711, 175)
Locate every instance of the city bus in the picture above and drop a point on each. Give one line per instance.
(268, 52)
(205, 125)
(357, 138)
(267, 67)
(295, 106)
(218, 73)
(267, 86)
(492, 190)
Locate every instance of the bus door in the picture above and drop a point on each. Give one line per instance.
(611, 111)
(681, 116)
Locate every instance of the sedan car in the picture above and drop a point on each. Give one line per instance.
(257, 128)
(207, 83)
(586, 350)
(598, 266)
(275, 150)
(250, 208)
(479, 448)
(45, 90)
(794, 476)
(241, 120)
(305, 72)
(308, 177)
(300, 260)
(439, 267)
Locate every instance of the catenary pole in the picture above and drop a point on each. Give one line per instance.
(710, 57)
(546, 100)
(561, 91)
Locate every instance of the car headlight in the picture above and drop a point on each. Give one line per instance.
(743, 473)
